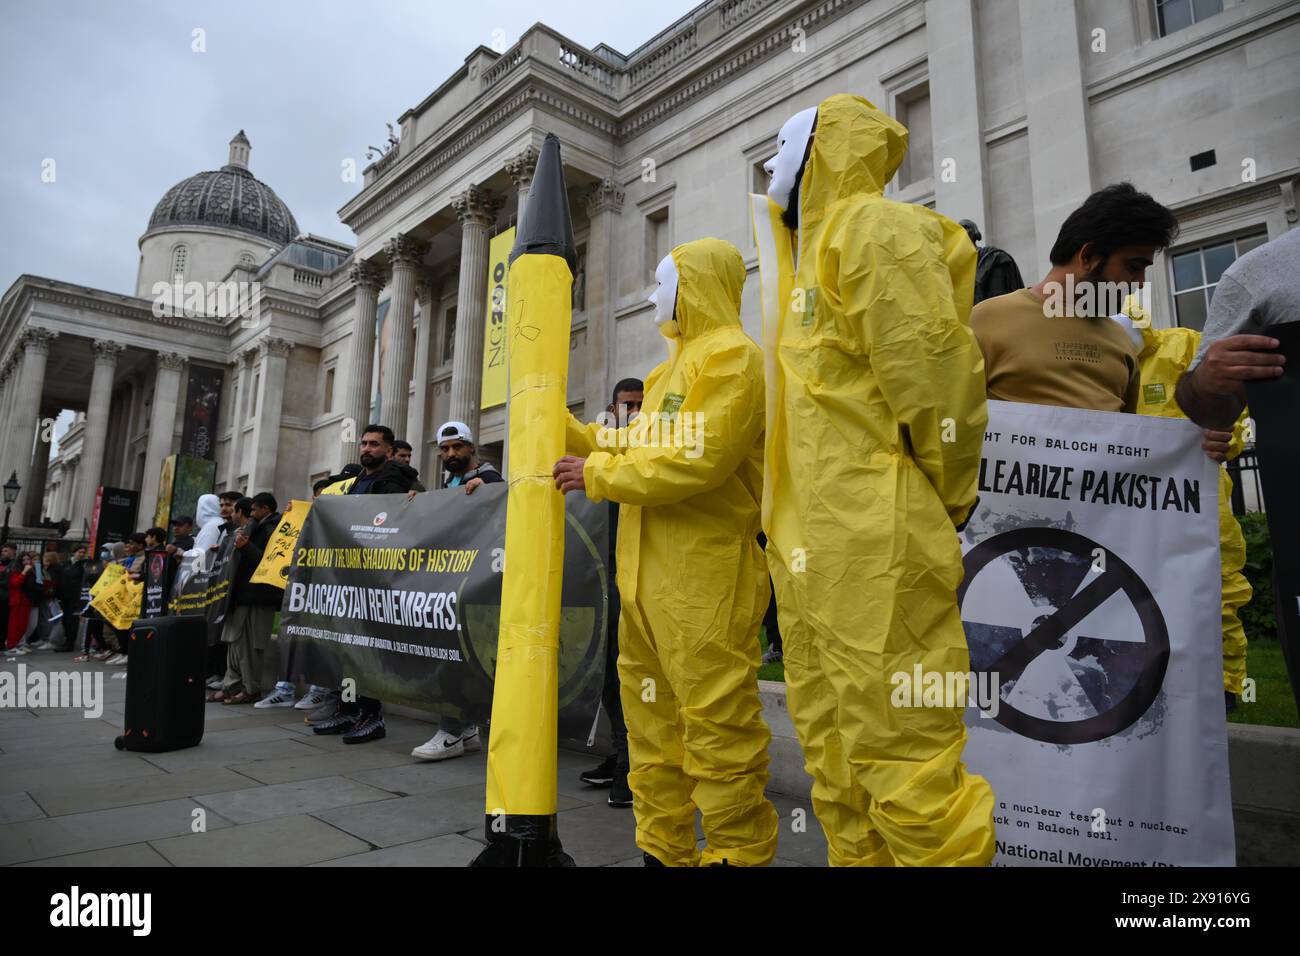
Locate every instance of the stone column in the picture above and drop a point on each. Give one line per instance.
(404, 255)
(8, 388)
(955, 110)
(604, 202)
(72, 490)
(521, 169)
(273, 353)
(40, 468)
(1060, 170)
(162, 429)
(235, 451)
(35, 345)
(98, 413)
(477, 209)
(368, 280)
(426, 288)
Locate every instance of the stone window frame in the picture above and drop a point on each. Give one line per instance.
(182, 251)
(758, 151)
(1148, 23)
(328, 385)
(901, 85)
(1196, 229)
(660, 201)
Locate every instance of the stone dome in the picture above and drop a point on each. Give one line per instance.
(229, 198)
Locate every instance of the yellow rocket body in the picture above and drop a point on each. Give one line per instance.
(521, 772)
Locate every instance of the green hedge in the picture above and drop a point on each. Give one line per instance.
(1257, 616)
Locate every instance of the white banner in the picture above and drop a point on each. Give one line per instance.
(1091, 599)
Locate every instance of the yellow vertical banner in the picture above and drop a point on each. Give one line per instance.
(494, 335)
(273, 569)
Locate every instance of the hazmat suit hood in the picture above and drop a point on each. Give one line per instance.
(856, 149)
(711, 277)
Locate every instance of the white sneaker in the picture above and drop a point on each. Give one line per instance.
(280, 697)
(117, 659)
(19, 651)
(442, 746)
(215, 683)
(315, 696)
(470, 739)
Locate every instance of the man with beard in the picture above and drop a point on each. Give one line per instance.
(403, 453)
(362, 720)
(1054, 343)
(460, 460)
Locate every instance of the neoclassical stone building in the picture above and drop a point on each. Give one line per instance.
(1017, 110)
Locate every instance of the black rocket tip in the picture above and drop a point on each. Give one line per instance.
(547, 228)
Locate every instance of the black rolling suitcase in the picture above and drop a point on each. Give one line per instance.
(165, 684)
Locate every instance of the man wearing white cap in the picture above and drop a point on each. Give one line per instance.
(460, 461)
(463, 470)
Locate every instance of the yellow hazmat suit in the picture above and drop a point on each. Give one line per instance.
(1164, 357)
(876, 421)
(688, 474)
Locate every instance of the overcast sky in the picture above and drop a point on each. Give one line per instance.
(115, 95)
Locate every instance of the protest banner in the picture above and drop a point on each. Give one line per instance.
(1091, 607)
(273, 569)
(109, 575)
(404, 598)
(119, 602)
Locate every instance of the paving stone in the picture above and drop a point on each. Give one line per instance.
(289, 799)
(17, 807)
(50, 772)
(808, 848)
(598, 835)
(134, 854)
(45, 737)
(450, 850)
(321, 764)
(422, 776)
(228, 755)
(284, 841)
(407, 819)
(100, 829)
(82, 796)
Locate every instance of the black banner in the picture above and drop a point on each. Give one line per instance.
(159, 572)
(405, 599)
(202, 406)
(114, 516)
(1275, 404)
(202, 585)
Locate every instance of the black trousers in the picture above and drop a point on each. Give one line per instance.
(609, 694)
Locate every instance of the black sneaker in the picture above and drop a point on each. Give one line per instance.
(339, 723)
(620, 794)
(369, 727)
(602, 776)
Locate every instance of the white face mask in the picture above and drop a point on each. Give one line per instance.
(791, 143)
(664, 296)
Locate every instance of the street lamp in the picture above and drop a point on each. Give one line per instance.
(11, 489)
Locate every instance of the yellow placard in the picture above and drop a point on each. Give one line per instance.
(110, 574)
(494, 336)
(119, 603)
(273, 569)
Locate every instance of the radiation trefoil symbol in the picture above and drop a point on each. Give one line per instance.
(1079, 651)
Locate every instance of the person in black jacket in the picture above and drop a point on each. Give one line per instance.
(362, 720)
(250, 613)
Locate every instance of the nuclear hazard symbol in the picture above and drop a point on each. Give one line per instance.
(1079, 653)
